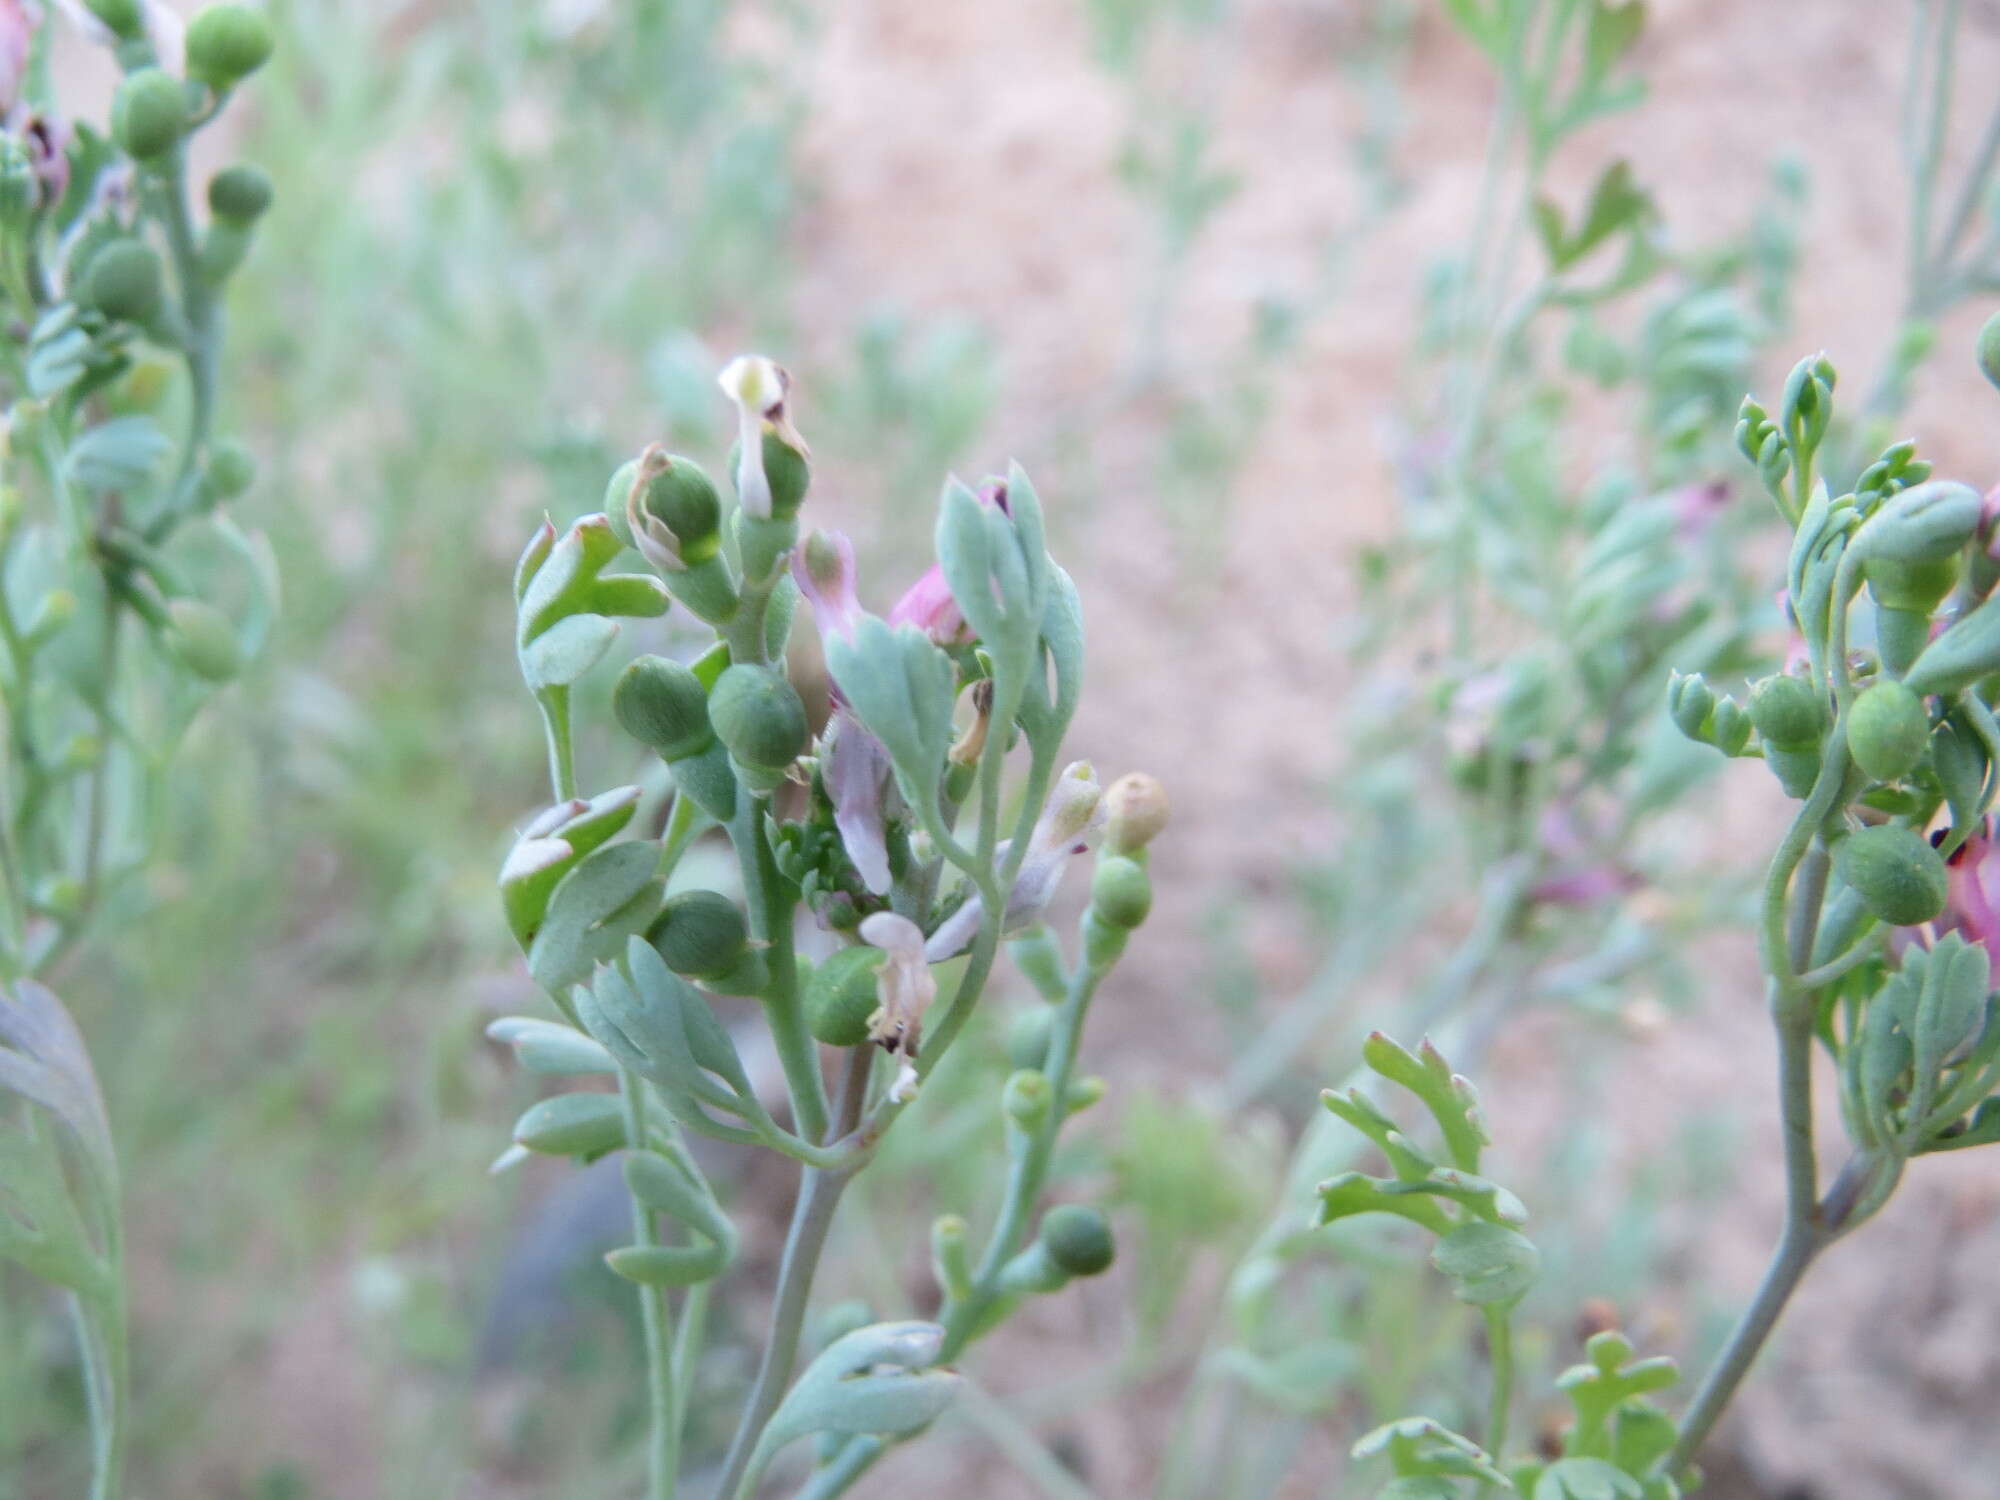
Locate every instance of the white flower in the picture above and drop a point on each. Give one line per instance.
(757, 385)
(1070, 823)
(906, 990)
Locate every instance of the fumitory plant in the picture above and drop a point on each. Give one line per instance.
(1875, 940)
(888, 842)
(127, 595)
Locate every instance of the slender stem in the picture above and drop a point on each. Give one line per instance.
(856, 1457)
(805, 1242)
(965, 1320)
(687, 1349)
(771, 923)
(663, 1430)
(1795, 1253)
(1500, 1351)
(562, 751)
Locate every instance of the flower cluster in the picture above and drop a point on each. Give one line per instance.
(888, 823)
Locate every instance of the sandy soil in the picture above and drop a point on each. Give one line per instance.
(962, 155)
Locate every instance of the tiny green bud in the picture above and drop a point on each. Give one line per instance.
(231, 470)
(699, 933)
(124, 282)
(240, 192)
(1103, 941)
(841, 996)
(1026, 1098)
(123, 18)
(149, 113)
(1690, 700)
(759, 716)
(661, 703)
(1078, 1239)
(1135, 808)
(202, 637)
(1120, 891)
(1787, 713)
(1086, 1091)
(676, 494)
(950, 1258)
(1028, 1036)
(1887, 730)
(1729, 727)
(1896, 873)
(226, 44)
(1989, 349)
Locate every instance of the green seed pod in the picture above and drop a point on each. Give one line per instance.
(1690, 700)
(123, 18)
(231, 470)
(149, 113)
(699, 933)
(1729, 727)
(241, 193)
(1103, 941)
(124, 282)
(1078, 1239)
(1989, 349)
(1887, 730)
(226, 44)
(681, 497)
(758, 715)
(202, 637)
(1120, 891)
(1028, 1036)
(1895, 871)
(841, 996)
(661, 703)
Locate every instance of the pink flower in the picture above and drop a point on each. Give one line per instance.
(928, 604)
(1581, 878)
(858, 778)
(1972, 885)
(824, 568)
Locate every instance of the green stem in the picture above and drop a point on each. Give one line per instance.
(662, 1410)
(771, 924)
(201, 313)
(562, 751)
(965, 1320)
(805, 1242)
(1500, 1351)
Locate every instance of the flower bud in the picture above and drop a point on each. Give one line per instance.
(149, 113)
(1690, 700)
(1026, 1098)
(123, 282)
(661, 704)
(673, 511)
(20, 191)
(1896, 873)
(231, 470)
(1887, 730)
(1136, 811)
(1120, 891)
(699, 933)
(1729, 727)
(226, 44)
(1078, 1239)
(1989, 349)
(1085, 1092)
(202, 637)
(771, 476)
(950, 1257)
(124, 19)
(240, 193)
(841, 996)
(759, 716)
